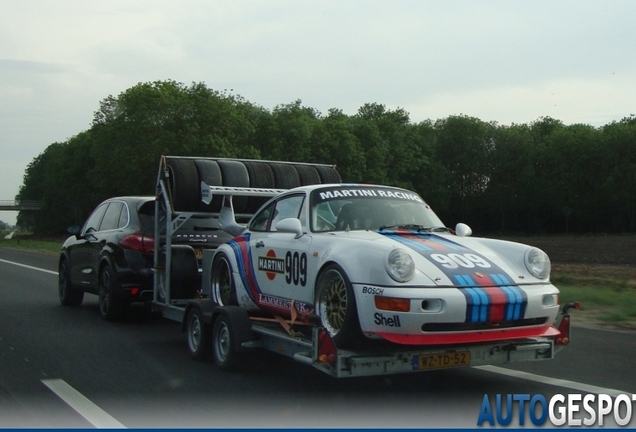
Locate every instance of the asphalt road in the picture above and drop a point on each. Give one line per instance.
(65, 367)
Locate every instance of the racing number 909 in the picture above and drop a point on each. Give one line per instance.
(296, 268)
(455, 260)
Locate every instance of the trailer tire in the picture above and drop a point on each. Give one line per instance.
(198, 334)
(336, 306)
(224, 350)
(184, 184)
(328, 175)
(184, 273)
(222, 283)
(308, 175)
(235, 174)
(210, 174)
(285, 176)
(261, 176)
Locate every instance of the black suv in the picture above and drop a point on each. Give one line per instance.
(112, 254)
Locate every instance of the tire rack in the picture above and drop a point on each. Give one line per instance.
(165, 193)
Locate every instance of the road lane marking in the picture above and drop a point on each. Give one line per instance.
(553, 381)
(80, 403)
(29, 267)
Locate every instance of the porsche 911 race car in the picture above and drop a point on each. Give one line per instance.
(376, 262)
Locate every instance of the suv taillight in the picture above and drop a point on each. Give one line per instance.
(138, 242)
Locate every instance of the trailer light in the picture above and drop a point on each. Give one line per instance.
(134, 291)
(326, 348)
(564, 330)
(392, 304)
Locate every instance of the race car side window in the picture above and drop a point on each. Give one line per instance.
(260, 222)
(288, 207)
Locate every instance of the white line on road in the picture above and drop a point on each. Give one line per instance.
(553, 381)
(29, 267)
(87, 409)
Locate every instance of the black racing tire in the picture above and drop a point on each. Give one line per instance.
(184, 273)
(328, 175)
(111, 308)
(285, 175)
(198, 334)
(222, 283)
(308, 175)
(235, 174)
(261, 176)
(210, 174)
(184, 184)
(69, 295)
(224, 350)
(336, 306)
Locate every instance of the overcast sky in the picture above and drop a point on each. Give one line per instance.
(504, 61)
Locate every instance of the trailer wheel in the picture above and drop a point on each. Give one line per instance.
(223, 288)
(198, 334)
(69, 295)
(223, 344)
(336, 306)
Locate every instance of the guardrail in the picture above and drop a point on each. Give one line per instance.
(20, 205)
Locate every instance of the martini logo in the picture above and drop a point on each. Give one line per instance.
(271, 265)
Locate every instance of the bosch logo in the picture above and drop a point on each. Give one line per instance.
(372, 290)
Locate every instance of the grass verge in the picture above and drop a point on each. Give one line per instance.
(28, 243)
(607, 293)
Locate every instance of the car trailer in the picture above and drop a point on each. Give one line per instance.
(182, 287)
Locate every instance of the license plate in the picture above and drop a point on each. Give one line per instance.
(198, 252)
(442, 360)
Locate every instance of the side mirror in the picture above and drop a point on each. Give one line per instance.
(463, 230)
(290, 225)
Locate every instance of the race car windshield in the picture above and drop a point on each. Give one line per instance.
(370, 208)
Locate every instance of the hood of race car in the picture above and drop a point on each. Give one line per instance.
(443, 259)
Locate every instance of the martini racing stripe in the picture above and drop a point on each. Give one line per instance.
(423, 242)
(492, 303)
(240, 246)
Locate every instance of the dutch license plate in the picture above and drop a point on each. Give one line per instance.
(198, 252)
(442, 360)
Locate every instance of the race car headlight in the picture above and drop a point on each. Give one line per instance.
(400, 265)
(538, 263)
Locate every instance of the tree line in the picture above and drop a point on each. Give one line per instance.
(541, 177)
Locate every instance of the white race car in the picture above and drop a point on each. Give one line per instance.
(376, 262)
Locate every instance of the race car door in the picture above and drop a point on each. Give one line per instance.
(280, 260)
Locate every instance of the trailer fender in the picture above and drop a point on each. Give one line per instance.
(206, 306)
(240, 324)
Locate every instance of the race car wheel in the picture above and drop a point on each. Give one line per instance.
(69, 296)
(223, 348)
(198, 334)
(110, 307)
(336, 306)
(223, 288)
